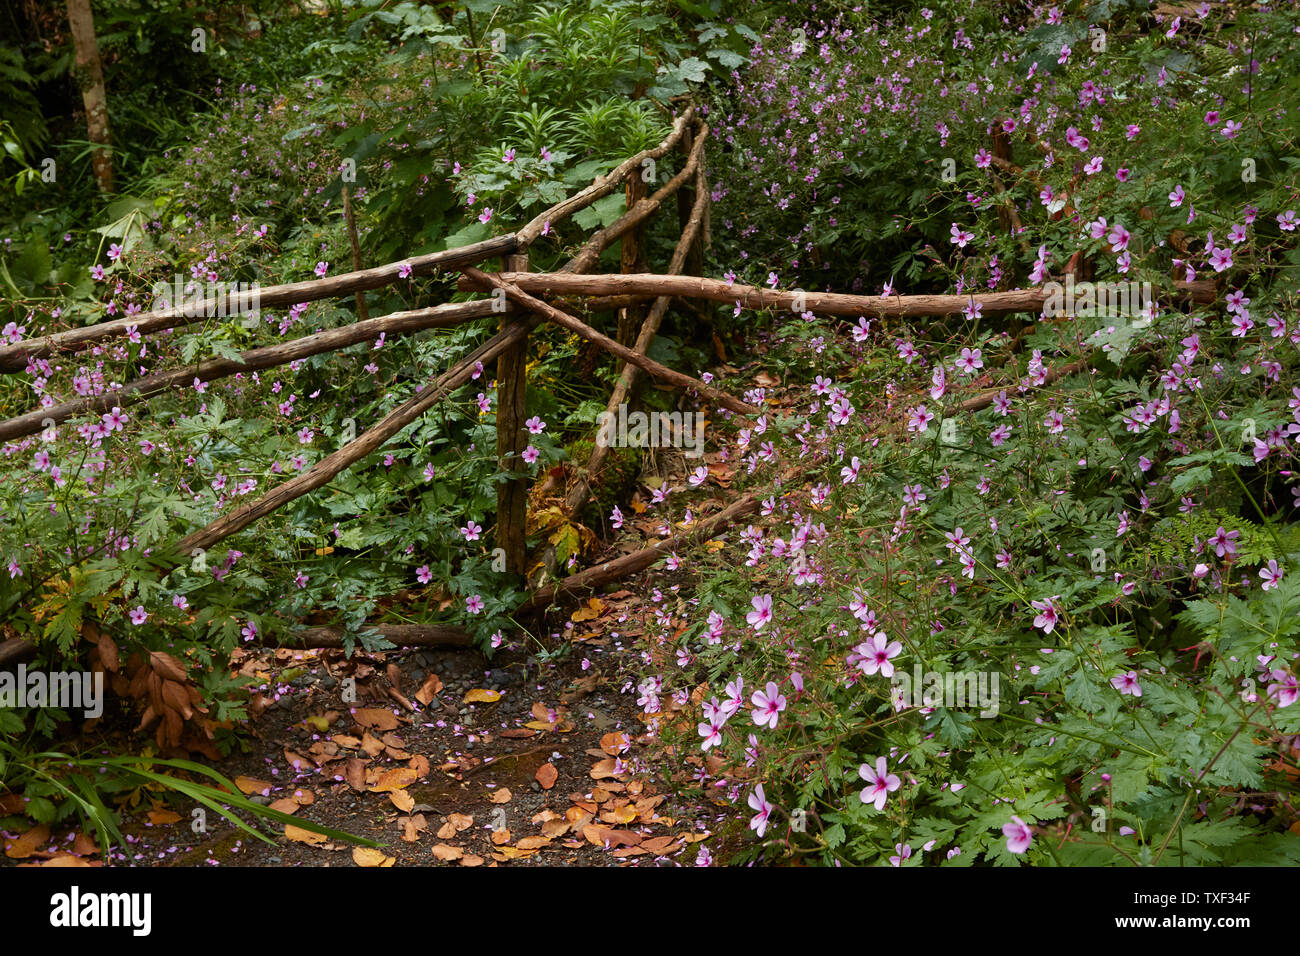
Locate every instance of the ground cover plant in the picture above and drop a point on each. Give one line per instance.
(1019, 583)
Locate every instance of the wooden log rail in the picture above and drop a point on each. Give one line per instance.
(821, 303)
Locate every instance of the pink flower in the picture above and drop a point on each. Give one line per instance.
(881, 783)
(404, 270)
(875, 654)
(970, 360)
(321, 269)
(139, 615)
(486, 215)
(1225, 542)
(535, 425)
(423, 574)
(758, 802)
(902, 851)
(1048, 614)
(1272, 576)
(767, 705)
(1286, 689)
(471, 531)
(1018, 835)
(1127, 684)
(960, 236)
(715, 718)
(474, 603)
(762, 613)
(918, 418)
(1118, 238)
(531, 454)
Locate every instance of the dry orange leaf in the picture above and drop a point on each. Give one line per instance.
(376, 718)
(547, 775)
(162, 817)
(21, 847)
(614, 743)
(471, 859)
(481, 696)
(431, 686)
(394, 779)
(65, 859)
(367, 856)
(500, 837)
(454, 824)
(413, 826)
(501, 796)
(593, 609)
(555, 828)
(402, 800)
(299, 835)
(249, 786)
(444, 852)
(533, 842)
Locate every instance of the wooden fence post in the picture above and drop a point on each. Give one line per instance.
(632, 257)
(512, 411)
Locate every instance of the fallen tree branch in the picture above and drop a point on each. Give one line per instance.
(13, 358)
(561, 318)
(824, 303)
(438, 317)
(403, 635)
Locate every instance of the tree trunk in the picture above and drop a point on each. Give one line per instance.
(90, 77)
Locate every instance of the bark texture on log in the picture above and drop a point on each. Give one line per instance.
(824, 303)
(512, 410)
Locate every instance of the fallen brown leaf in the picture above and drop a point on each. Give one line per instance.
(547, 775)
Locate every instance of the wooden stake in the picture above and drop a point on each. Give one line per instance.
(512, 410)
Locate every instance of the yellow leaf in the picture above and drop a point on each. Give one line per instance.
(299, 835)
(591, 610)
(394, 779)
(249, 786)
(478, 695)
(367, 856)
